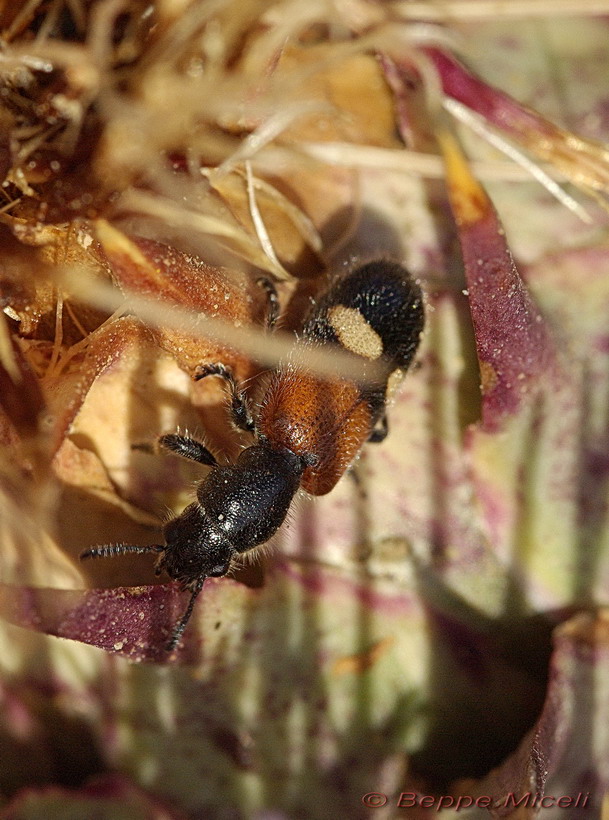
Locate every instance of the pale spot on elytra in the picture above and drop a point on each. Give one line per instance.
(354, 333)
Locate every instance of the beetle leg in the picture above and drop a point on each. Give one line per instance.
(240, 410)
(188, 448)
(273, 300)
(379, 432)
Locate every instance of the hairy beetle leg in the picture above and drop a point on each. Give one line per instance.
(188, 448)
(240, 411)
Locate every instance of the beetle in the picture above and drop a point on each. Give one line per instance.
(307, 431)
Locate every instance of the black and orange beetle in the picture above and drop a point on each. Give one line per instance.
(308, 429)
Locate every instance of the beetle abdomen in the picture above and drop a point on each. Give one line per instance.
(376, 313)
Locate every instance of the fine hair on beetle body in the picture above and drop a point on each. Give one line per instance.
(306, 430)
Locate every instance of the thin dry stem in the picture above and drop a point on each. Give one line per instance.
(266, 349)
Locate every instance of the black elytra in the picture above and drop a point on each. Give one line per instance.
(307, 432)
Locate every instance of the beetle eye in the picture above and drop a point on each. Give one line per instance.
(218, 570)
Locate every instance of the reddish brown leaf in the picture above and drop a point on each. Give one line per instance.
(112, 796)
(105, 347)
(134, 622)
(513, 344)
(157, 271)
(564, 756)
(584, 161)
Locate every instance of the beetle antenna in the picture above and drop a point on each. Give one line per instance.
(181, 624)
(110, 550)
